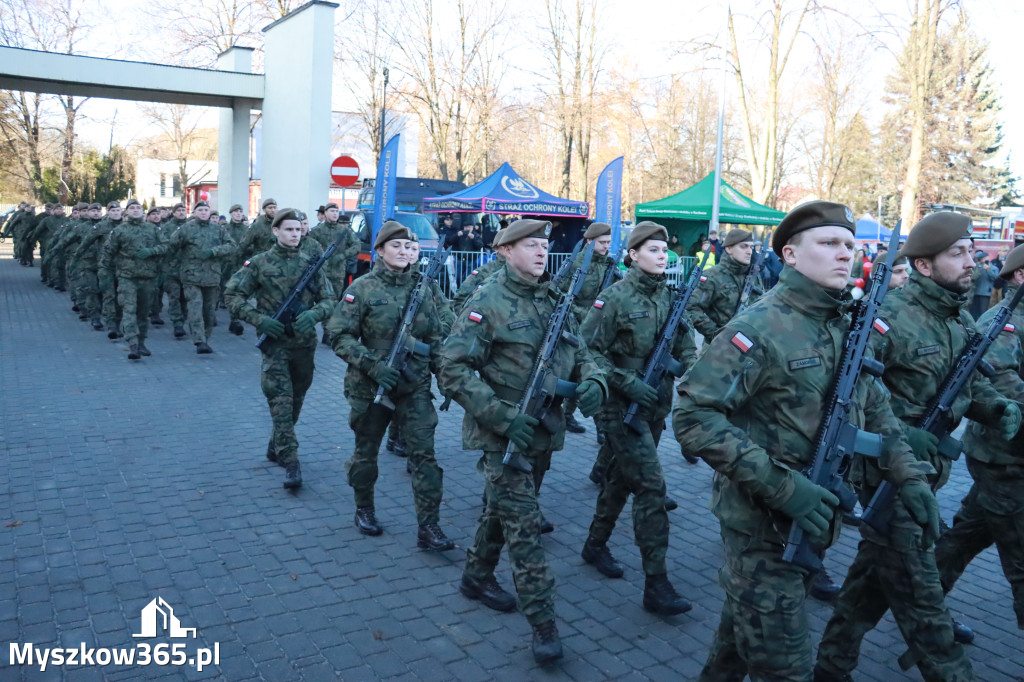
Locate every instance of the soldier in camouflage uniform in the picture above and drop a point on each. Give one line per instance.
(993, 510)
(362, 329)
(287, 370)
(22, 230)
(621, 330)
(260, 237)
(200, 244)
(486, 363)
(476, 279)
(751, 407)
(56, 260)
(326, 233)
(920, 333)
(91, 249)
(719, 295)
(42, 233)
(84, 263)
(129, 254)
(237, 228)
(13, 220)
(170, 282)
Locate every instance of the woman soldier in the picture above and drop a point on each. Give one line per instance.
(621, 329)
(363, 327)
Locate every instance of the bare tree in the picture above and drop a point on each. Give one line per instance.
(201, 31)
(179, 125)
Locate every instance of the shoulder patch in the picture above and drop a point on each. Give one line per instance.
(475, 317)
(880, 326)
(475, 272)
(703, 278)
(349, 298)
(741, 341)
(1009, 327)
(247, 261)
(598, 304)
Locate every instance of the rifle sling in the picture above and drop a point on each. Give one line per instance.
(379, 344)
(507, 393)
(629, 361)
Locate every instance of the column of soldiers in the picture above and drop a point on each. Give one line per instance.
(749, 404)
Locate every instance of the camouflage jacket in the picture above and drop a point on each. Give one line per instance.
(201, 246)
(258, 239)
(44, 230)
(11, 222)
(326, 234)
(311, 247)
(591, 283)
(88, 252)
(171, 266)
(754, 402)
(475, 280)
(27, 226)
(118, 254)
(364, 324)
(489, 356)
(268, 277)
(76, 236)
(621, 330)
(237, 231)
(1006, 355)
(716, 299)
(65, 231)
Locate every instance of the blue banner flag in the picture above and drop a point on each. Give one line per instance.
(384, 188)
(608, 202)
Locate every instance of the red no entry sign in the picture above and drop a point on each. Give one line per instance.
(344, 171)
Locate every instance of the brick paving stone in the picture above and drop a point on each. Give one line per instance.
(137, 480)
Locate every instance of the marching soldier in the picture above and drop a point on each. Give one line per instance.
(288, 358)
(751, 406)
(486, 362)
(477, 277)
(621, 330)
(326, 233)
(22, 229)
(362, 329)
(177, 306)
(105, 276)
(237, 229)
(920, 333)
(720, 290)
(260, 236)
(85, 263)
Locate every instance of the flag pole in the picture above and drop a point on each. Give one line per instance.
(717, 194)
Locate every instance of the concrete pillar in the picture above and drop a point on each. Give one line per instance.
(233, 145)
(296, 145)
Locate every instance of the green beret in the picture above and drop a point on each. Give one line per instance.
(392, 229)
(810, 215)
(268, 202)
(935, 233)
(153, 210)
(200, 203)
(330, 206)
(113, 204)
(95, 206)
(1014, 262)
(497, 236)
(644, 231)
(236, 207)
(177, 206)
(900, 260)
(521, 229)
(597, 230)
(286, 214)
(737, 236)
(81, 205)
(132, 202)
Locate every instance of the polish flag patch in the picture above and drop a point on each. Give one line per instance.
(475, 272)
(475, 317)
(246, 263)
(349, 298)
(598, 304)
(1009, 327)
(742, 342)
(880, 326)
(703, 278)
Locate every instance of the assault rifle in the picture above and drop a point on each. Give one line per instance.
(612, 269)
(660, 360)
(405, 345)
(544, 390)
(937, 417)
(753, 274)
(292, 305)
(838, 439)
(556, 280)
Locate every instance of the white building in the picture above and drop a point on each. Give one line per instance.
(157, 180)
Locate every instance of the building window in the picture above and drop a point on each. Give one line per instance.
(163, 185)
(177, 185)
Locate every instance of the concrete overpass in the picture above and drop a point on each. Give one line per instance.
(294, 95)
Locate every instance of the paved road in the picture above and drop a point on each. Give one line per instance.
(127, 481)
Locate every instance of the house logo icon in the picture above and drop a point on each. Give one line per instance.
(158, 611)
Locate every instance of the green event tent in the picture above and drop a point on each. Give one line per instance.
(686, 214)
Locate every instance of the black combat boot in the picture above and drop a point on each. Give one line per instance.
(546, 526)
(366, 521)
(133, 352)
(600, 437)
(236, 328)
(661, 598)
(670, 504)
(822, 675)
(488, 592)
(157, 320)
(597, 476)
(546, 644)
(179, 331)
(823, 588)
(112, 334)
(573, 426)
(75, 309)
(97, 324)
(326, 340)
(142, 349)
(961, 633)
(690, 459)
(272, 451)
(83, 316)
(203, 348)
(396, 447)
(596, 554)
(292, 477)
(430, 536)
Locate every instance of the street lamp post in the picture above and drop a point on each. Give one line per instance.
(383, 112)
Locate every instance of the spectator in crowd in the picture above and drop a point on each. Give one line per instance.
(716, 244)
(984, 276)
(696, 246)
(705, 248)
(999, 286)
(468, 244)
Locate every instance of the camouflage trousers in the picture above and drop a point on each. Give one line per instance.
(202, 310)
(226, 273)
(176, 303)
(87, 292)
(633, 468)
(991, 513)
(111, 305)
(285, 376)
(763, 632)
(901, 576)
(416, 420)
(512, 515)
(135, 296)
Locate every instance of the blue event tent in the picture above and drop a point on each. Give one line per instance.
(504, 191)
(869, 228)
